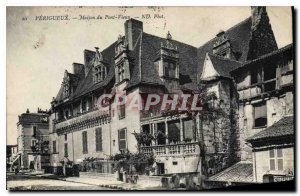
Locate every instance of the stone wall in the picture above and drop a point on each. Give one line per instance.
(261, 165)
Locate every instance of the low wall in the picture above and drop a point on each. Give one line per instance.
(155, 181)
(107, 176)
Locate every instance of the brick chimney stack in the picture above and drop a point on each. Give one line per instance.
(133, 30)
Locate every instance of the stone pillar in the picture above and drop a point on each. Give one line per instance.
(166, 131)
(198, 136)
(153, 128)
(181, 129)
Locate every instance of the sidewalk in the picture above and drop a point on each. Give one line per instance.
(103, 182)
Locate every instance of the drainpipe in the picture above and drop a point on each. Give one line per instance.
(73, 147)
(255, 166)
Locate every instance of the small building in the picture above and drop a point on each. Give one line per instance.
(11, 156)
(33, 140)
(273, 152)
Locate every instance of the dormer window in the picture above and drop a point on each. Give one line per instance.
(120, 73)
(66, 86)
(100, 69)
(170, 69)
(222, 45)
(99, 73)
(122, 70)
(167, 59)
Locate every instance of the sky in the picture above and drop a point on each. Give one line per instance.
(39, 51)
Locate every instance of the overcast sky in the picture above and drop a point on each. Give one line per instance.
(38, 52)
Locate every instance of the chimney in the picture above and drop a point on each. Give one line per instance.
(78, 69)
(257, 13)
(133, 29)
(262, 39)
(88, 57)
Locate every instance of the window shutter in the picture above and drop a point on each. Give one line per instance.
(122, 139)
(99, 139)
(84, 143)
(66, 149)
(260, 111)
(54, 146)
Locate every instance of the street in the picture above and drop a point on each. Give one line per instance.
(27, 182)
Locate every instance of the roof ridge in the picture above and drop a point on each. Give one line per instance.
(270, 53)
(172, 40)
(225, 59)
(234, 26)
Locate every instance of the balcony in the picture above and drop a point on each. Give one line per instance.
(250, 92)
(172, 149)
(84, 120)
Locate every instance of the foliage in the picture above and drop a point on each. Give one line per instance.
(143, 138)
(133, 162)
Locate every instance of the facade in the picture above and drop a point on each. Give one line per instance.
(11, 156)
(33, 140)
(230, 67)
(273, 152)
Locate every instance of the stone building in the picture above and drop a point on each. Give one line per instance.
(273, 152)
(140, 64)
(33, 140)
(12, 156)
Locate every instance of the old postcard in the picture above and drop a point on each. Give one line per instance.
(150, 98)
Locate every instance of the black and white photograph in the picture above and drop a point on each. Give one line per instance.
(152, 98)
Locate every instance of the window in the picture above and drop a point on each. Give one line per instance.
(254, 79)
(276, 159)
(102, 73)
(54, 146)
(66, 137)
(120, 73)
(34, 131)
(122, 139)
(84, 143)
(170, 69)
(260, 115)
(66, 149)
(121, 111)
(98, 134)
(33, 142)
(67, 114)
(66, 87)
(99, 73)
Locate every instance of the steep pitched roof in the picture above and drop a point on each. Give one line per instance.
(144, 71)
(239, 172)
(239, 37)
(191, 60)
(224, 66)
(284, 127)
(86, 85)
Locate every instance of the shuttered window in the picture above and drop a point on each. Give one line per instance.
(66, 149)
(98, 135)
(122, 139)
(84, 143)
(121, 111)
(260, 114)
(54, 146)
(276, 159)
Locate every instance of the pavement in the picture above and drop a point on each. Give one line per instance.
(103, 182)
(42, 182)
